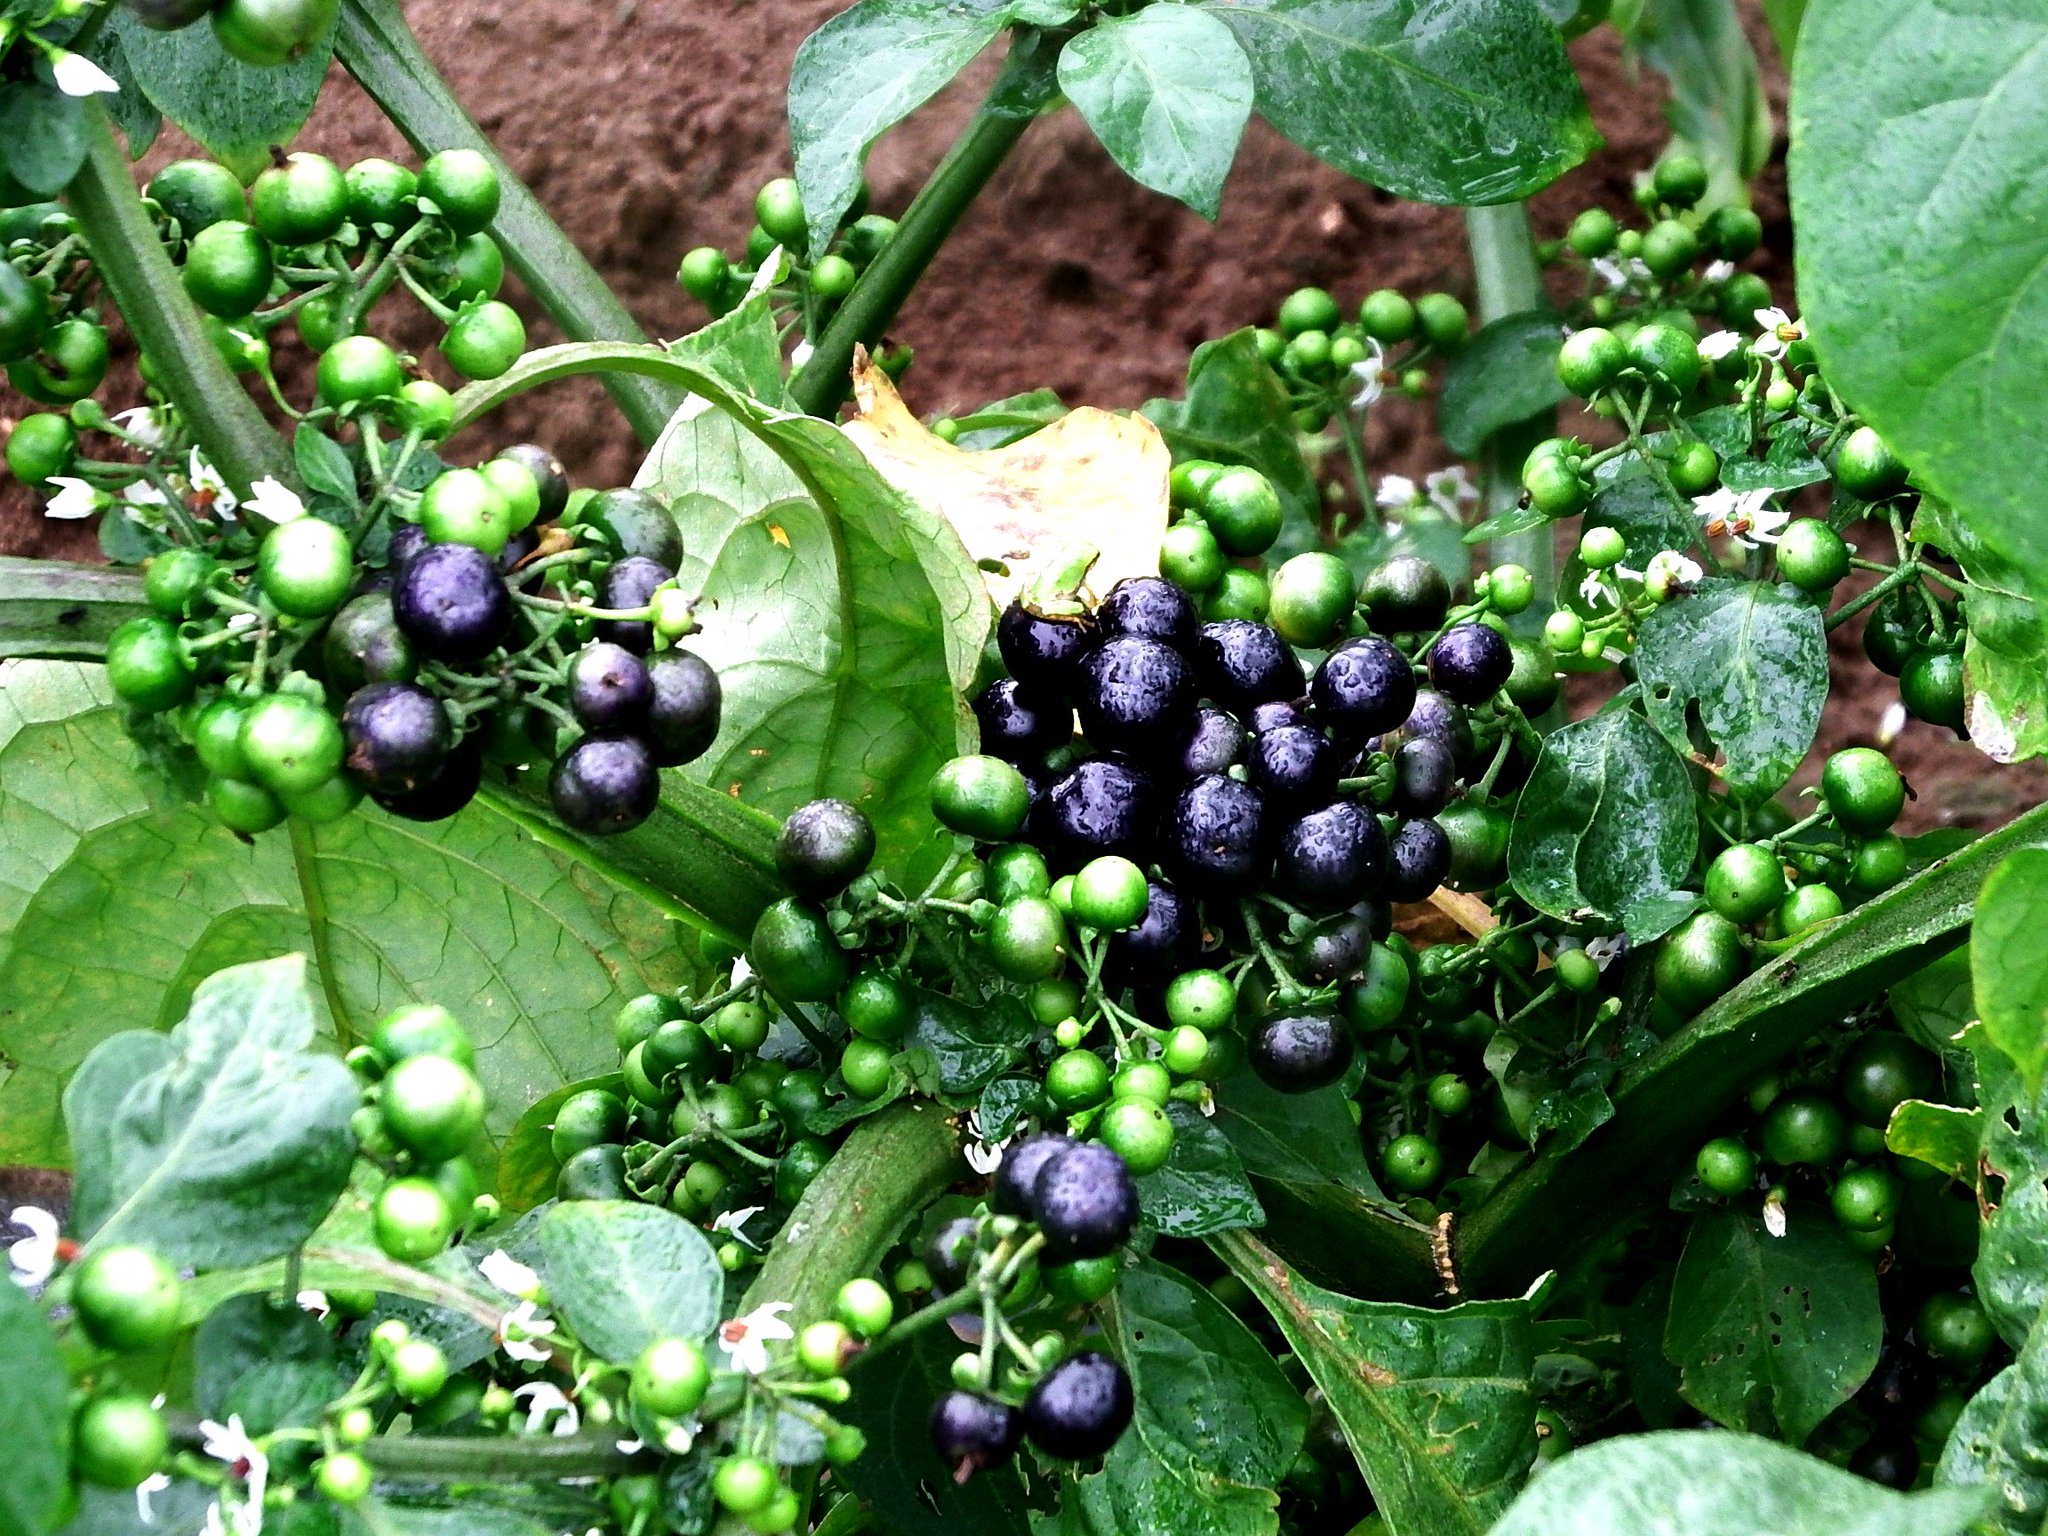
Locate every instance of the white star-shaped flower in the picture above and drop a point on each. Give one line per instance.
(1608, 948)
(1667, 571)
(509, 1275)
(1594, 590)
(1620, 271)
(274, 501)
(151, 1485)
(144, 425)
(1744, 516)
(733, 1221)
(245, 1460)
(543, 1398)
(1370, 372)
(1780, 330)
(74, 499)
(745, 1340)
(1719, 271)
(1397, 491)
(33, 1257)
(1717, 346)
(314, 1302)
(209, 487)
(983, 1157)
(78, 76)
(523, 1333)
(1451, 488)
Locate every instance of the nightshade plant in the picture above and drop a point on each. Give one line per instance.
(1055, 971)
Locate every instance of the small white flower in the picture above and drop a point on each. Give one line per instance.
(273, 500)
(1371, 373)
(1743, 516)
(76, 499)
(1667, 571)
(33, 1257)
(209, 487)
(246, 1460)
(983, 1158)
(631, 1447)
(1774, 1215)
(543, 1398)
(1620, 272)
(1719, 271)
(1608, 948)
(1594, 590)
(237, 622)
(1892, 723)
(1452, 489)
(509, 1275)
(1780, 330)
(145, 424)
(153, 1484)
(745, 1340)
(523, 1333)
(79, 76)
(314, 1302)
(742, 973)
(1717, 346)
(678, 1437)
(732, 1221)
(1397, 491)
(800, 354)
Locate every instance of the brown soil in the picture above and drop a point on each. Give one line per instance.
(1063, 274)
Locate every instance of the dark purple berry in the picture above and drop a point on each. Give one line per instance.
(1299, 1052)
(971, 1432)
(609, 688)
(516, 549)
(1137, 695)
(1332, 857)
(1043, 653)
(605, 784)
(1903, 1381)
(1418, 859)
(450, 602)
(1152, 607)
(1470, 663)
(365, 645)
(1274, 715)
(1087, 1202)
(1213, 838)
(407, 540)
(1294, 767)
(1438, 718)
(1214, 745)
(823, 848)
(1407, 595)
(548, 474)
(1336, 948)
(1425, 776)
(629, 584)
(682, 717)
(398, 736)
(1161, 946)
(1017, 725)
(1080, 1407)
(1102, 806)
(1016, 1186)
(443, 793)
(1362, 688)
(1239, 663)
(949, 1256)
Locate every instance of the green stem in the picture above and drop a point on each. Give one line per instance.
(54, 609)
(231, 432)
(821, 385)
(376, 46)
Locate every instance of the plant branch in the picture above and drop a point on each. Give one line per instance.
(55, 609)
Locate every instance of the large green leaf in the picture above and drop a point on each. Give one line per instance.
(1922, 204)
(1439, 1407)
(1504, 375)
(1749, 661)
(267, 1359)
(225, 1142)
(1217, 1424)
(2005, 651)
(42, 135)
(970, 1044)
(2006, 974)
(35, 1418)
(236, 111)
(1167, 91)
(2001, 1440)
(1772, 1334)
(1202, 1188)
(1608, 829)
(1717, 107)
(116, 899)
(626, 1275)
(2011, 1271)
(1444, 101)
(1236, 411)
(1685, 1483)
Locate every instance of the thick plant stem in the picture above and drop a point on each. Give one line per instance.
(375, 44)
(231, 432)
(1510, 282)
(54, 609)
(823, 382)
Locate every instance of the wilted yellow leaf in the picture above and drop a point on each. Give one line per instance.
(1091, 478)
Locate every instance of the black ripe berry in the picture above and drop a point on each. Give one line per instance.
(1275, 714)
(1080, 1407)
(1418, 859)
(1332, 857)
(444, 792)
(682, 717)
(1214, 744)
(1470, 662)
(1087, 1203)
(605, 784)
(1363, 687)
(823, 848)
(1149, 606)
(1161, 946)
(1019, 725)
(950, 1253)
(407, 540)
(1239, 663)
(1405, 595)
(1043, 653)
(1016, 1185)
(1294, 767)
(548, 475)
(609, 688)
(398, 736)
(1137, 695)
(1101, 806)
(629, 584)
(1214, 837)
(1297, 1052)
(1425, 774)
(971, 1432)
(450, 602)
(1436, 717)
(1336, 948)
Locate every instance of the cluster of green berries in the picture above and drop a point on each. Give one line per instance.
(1329, 363)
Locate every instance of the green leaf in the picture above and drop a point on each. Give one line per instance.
(1772, 1334)
(534, 943)
(1443, 101)
(236, 111)
(1608, 820)
(35, 1418)
(1439, 1407)
(2005, 651)
(1922, 210)
(226, 1142)
(1749, 661)
(1717, 108)
(1202, 1188)
(2001, 1441)
(1934, 1004)
(2011, 1272)
(1003, 422)
(1236, 411)
(1506, 524)
(1501, 377)
(52, 608)
(2006, 974)
(1939, 1135)
(42, 135)
(1685, 1483)
(266, 1359)
(131, 111)
(970, 1044)
(1217, 1425)
(624, 1275)
(323, 465)
(1306, 1140)
(1167, 90)
(526, 1164)
(1784, 17)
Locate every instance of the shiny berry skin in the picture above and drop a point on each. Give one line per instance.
(1161, 945)
(609, 688)
(1425, 775)
(683, 714)
(1087, 1203)
(950, 1253)
(398, 736)
(1016, 1185)
(1042, 653)
(407, 540)
(1470, 663)
(1405, 595)
(1213, 838)
(1215, 744)
(1332, 857)
(1436, 717)
(823, 847)
(605, 784)
(1240, 663)
(1418, 859)
(629, 584)
(1275, 716)
(450, 602)
(971, 1432)
(1102, 806)
(444, 792)
(1294, 767)
(1080, 1407)
(1020, 725)
(1136, 695)
(1299, 1052)
(1152, 607)
(549, 477)
(1364, 687)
